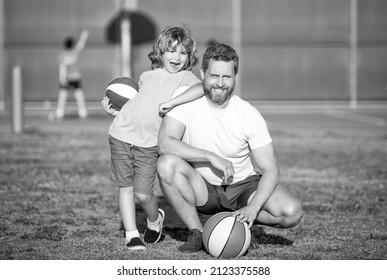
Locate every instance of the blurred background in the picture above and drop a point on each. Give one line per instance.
(290, 50)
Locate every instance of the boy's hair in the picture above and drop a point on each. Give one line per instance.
(68, 43)
(164, 44)
(220, 52)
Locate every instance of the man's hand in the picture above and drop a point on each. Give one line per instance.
(223, 165)
(107, 107)
(246, 214)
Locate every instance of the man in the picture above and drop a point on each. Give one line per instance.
(70, 78)
(209, 148)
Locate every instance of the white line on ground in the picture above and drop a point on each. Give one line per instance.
(355, 117)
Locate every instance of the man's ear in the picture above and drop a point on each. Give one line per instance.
(201, 73)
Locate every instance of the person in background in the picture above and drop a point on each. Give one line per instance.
(70, 77)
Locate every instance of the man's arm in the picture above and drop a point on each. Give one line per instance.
(170, 134)
(264, 157)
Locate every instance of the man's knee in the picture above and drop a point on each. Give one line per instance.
(292, 214)
(166, 166)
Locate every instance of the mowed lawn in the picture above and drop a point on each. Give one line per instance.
(56, 200)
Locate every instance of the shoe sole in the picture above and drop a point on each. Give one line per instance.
(137, 248)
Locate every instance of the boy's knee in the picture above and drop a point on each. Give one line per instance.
(143, 198)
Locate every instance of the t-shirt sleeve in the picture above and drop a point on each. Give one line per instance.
(141, 79)
(257, 131)
(178, 113)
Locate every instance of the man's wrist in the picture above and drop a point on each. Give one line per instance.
(255, 208)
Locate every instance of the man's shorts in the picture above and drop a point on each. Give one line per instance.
(229, 197)
(133, 166)
(72, 84)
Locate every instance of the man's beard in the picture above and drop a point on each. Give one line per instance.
(216, 98)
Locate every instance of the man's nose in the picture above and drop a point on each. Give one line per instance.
(219, 82)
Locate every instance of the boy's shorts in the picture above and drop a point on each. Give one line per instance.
(133, 166)
(229, 197)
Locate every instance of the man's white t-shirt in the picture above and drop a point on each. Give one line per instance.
(230, 133)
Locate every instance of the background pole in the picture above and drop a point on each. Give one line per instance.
(17, 100)
(126, 37)
(353, 56)
(236, 38)
(125, 47)
(2, 61)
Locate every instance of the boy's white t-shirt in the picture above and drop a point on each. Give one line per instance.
(230, 133)
(138, 122)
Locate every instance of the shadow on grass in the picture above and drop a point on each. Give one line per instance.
(258, 234)
(177, 233)
(261, 237)
(174, 228)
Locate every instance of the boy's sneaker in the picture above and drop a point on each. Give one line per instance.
(135, 244)
(194, 242)
(153, 236)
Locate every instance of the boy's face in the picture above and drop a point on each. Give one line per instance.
(175, 59)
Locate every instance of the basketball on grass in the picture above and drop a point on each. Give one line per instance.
(120, 90)
(225, 237)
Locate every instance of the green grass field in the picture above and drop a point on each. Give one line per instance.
(57, 201)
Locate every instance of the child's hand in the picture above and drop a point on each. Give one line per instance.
(164, 108)
(107, 107)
